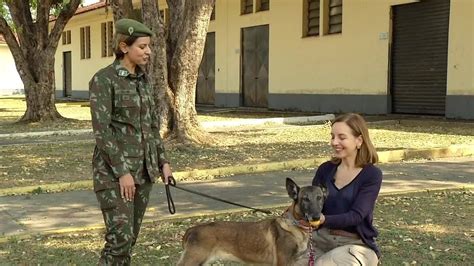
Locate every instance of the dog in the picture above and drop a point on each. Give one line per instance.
(276, 241)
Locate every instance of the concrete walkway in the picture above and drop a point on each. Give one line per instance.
(76, 210)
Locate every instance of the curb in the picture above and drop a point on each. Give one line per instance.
(279, 120)
(47, 133)
(460, 150)
(205, 213)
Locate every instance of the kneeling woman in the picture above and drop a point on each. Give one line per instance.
(346, 235)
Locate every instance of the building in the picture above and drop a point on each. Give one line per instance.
(367, 56)
(11, 81)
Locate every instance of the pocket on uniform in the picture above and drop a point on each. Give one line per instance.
(127, 100)
(108, 198)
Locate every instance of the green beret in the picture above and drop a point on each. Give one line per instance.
(132, 27)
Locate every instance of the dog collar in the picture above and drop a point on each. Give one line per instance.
(301, 223)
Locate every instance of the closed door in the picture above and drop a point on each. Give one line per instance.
(67, 75)
(255, 66)
(419, 58)
(205, 87)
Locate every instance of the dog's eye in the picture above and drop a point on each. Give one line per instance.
(318, 197)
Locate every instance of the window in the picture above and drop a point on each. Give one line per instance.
(335, 16)
(311, 18)
(263, 5)
(246, 7)
(107, 34)
(85, 42)
(213, 14)
(66, 37)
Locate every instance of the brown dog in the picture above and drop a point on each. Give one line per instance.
(277, 241)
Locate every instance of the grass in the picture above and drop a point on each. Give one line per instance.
(68, 158)
(53, 162)
(417, 228)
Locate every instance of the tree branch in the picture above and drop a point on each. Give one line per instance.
(23, 23)
(66, 13)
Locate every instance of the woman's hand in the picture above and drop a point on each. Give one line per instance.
(166, 172)
(127, 187)
(322, 218)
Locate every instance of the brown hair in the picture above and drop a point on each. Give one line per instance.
(366, 154)
(128, 40)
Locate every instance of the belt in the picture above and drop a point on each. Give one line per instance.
(338, 232)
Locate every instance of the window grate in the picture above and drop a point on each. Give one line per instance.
(313, 18)
(85, 36)
(263, 5)
(246, 7)
(335, 16)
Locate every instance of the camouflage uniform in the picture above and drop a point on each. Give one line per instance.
(126, 129)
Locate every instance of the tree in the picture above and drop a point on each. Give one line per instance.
(178, 48)
(26, 29)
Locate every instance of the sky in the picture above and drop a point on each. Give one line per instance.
(88, 2)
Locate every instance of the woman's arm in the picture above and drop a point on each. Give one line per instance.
(100, 93)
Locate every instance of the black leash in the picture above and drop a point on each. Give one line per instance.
(172, 209)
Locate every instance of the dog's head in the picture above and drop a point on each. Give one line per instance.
(308, 201)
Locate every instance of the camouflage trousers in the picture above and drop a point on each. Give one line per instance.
(122, 222)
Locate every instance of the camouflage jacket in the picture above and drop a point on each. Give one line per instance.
(125, 124)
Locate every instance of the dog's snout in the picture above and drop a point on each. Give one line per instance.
(315, 218)
(312, 218)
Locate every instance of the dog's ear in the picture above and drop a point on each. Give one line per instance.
(292, 188)
(323, 188)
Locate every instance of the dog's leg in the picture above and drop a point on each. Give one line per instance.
(193, 257)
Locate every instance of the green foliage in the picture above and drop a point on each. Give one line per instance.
(4, 11)
(55, 9)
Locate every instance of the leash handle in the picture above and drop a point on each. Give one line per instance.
(171, 182)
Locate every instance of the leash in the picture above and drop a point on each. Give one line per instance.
(310, 246)
(172, 209)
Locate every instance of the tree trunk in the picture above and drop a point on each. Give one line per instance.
(157, 67)
(176, 13)
(184, 70)
(40, 94)
(33, 50)
(121, 8)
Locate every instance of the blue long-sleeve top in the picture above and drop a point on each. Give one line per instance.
(351, 208)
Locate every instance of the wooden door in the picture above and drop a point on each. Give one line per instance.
(255, 66)
(67, 74)
(205, 87)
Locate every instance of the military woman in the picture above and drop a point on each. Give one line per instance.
(129, 151)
